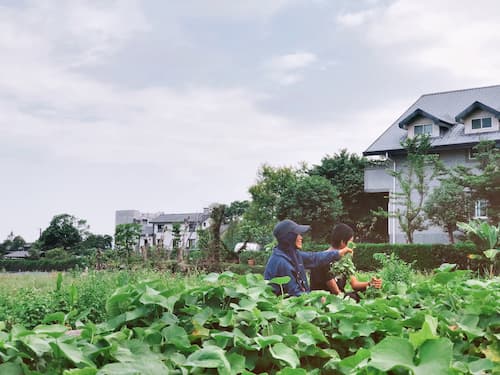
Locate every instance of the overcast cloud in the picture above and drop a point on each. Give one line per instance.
(170, 106)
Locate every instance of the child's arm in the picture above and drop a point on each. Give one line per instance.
(362, 285)
(332, 286)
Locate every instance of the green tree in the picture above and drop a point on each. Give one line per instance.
(261, 215)
(311, 200)
(235, 211)
(97, 241)
(216, 246)
(64, 231)
(345, 171)
(483, 181)
(413, 179)
(126, 238)
(447, 205)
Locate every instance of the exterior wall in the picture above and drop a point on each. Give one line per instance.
(495, 124)
(433, 234)
(423, 121)
(166, 237)
(377, 180)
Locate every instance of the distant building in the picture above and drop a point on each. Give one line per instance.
(159, 229)
(18, 254)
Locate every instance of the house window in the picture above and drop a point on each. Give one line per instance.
(481, 209)
(473, 153)
(160, 227)
(423, 129)
(481, 123)
(191, 243)
(192, 227)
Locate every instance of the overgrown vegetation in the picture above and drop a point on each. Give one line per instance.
(226, 324)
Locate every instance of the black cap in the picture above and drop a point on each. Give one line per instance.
(289, 226)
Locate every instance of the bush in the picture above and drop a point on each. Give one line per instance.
(45, 265)
(424, 257)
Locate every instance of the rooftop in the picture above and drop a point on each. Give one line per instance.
(444, 106)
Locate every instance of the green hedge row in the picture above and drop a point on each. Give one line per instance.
(424, 257)
(44, 265)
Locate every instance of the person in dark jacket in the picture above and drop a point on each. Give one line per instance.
(322, 277)
(287, 258)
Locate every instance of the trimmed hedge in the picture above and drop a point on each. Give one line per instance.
(44, 265)
(425, 257)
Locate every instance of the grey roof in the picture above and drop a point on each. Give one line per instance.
(403, 124)
(17, 254)
(445, 106)
(195, 217)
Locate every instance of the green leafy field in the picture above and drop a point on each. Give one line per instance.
(228, 324)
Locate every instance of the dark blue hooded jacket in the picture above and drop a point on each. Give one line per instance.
(293, 263)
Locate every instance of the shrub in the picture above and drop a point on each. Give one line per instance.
(46, 265)
(424, 257)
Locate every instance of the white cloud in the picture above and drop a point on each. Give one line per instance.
(457, 37)
(354, 19)
(288, 69)
(68, 33)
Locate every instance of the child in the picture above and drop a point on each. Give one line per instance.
(323, 279)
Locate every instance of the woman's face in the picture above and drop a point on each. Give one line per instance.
(298, 242)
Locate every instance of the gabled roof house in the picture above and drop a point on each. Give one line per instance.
(456, 121)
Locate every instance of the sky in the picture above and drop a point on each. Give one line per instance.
(173, 105)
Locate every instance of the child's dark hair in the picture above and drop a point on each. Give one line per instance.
(340, 232)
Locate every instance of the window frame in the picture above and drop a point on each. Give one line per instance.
(423, 127)
(481, 121)
(479, 206)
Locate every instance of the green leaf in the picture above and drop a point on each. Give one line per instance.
(211, 278)
(280, 280)
(153, 297)
(54, 317)
(54, 330)
(74, 354)
(265, 341)
(313, 330)
(435, 357)
(38, 345)
(292, 371)
(392, 352)
(81, 371)
(202, 317)
(428, 332)
(282, 352)
(481, 366)
(237, 363)
(209, 357)
(306, 315)
(350, 364)
(177, 336)
(140, 367)
(446, 267)
(11, 368)
(491, 253)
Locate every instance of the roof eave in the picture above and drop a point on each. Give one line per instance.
(471, 108)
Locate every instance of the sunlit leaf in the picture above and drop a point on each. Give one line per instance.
(284, 353)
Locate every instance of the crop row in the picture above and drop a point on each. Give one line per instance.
(235, 324)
